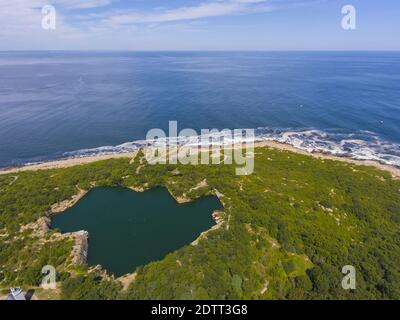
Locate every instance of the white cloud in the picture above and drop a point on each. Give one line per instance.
(203, 10)
(82, 4)
(78, 25)
(25, 15)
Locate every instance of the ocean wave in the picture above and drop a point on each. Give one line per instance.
(361, 145)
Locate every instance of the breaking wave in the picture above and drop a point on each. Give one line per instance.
(362, 145)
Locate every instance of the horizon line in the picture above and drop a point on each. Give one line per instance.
(189, 50)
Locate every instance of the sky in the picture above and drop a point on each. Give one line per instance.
(199, 25)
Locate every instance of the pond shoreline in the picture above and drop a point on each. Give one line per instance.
(79, 254)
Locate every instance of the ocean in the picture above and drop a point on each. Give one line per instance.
(71, 104)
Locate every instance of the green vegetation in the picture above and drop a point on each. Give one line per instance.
(90, 287)
(288, 230)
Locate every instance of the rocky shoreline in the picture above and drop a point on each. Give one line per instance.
(63, 205)
(80, 238)
(65, 163)
(80, 249)
(219, 218)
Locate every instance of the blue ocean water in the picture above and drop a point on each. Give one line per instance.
(66, 104)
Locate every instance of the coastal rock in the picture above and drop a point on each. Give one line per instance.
(139, 188)
(43, 224)
(99, 270)
(63, 205)
(182, 199)
(126, 280)
(218, 194)
(80, 248)
(38, 228)
(218, 217)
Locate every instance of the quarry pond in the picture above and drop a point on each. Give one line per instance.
(128, 229)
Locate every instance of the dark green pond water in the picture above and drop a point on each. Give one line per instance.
(128, 229)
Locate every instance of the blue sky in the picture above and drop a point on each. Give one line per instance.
(200, 25)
